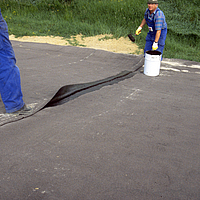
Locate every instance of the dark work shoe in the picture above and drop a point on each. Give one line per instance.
(24, 110)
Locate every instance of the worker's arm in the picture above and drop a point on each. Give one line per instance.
(143, 23)
(138, 31)
(157, 35)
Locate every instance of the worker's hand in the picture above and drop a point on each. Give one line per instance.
(155, 46)
(138, 31)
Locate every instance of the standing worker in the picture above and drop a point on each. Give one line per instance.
(155, 20)
(10, 84)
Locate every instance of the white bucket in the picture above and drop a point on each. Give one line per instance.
(152, 63)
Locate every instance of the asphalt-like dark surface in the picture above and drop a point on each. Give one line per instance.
(135, 139)
(46, 69)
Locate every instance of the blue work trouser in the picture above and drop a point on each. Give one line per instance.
(150, 38)
(10, 84)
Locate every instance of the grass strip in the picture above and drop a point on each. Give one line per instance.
(117, 17)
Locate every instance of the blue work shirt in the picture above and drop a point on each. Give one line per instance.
(158, 17)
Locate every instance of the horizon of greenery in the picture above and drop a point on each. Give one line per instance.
(116, 17)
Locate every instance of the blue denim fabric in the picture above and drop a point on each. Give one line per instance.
(158, 17)
(10, 84)
(150, 38)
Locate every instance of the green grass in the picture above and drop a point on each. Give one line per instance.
(116, 17)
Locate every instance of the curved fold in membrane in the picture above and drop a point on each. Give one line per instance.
(66, 93)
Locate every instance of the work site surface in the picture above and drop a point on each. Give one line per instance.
(130, 136)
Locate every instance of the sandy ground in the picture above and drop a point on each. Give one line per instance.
(104, 42)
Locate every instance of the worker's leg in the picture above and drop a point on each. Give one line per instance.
(10, 85)
(148, 46)
(149, 43)
(10, 88)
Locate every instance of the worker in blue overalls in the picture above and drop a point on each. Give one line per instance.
(155, 20)
(10, 84)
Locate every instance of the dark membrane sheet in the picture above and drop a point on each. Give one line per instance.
(50, 72)
(126, 137)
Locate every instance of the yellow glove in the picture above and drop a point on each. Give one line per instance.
(155, 46)
(138, 31)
